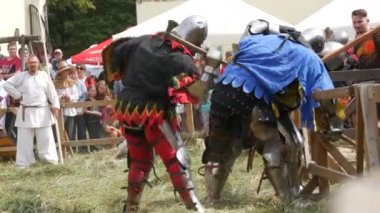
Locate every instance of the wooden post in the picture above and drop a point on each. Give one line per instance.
(368, 105)
(319, 155)
(59, 144)
(61, 129)
(359, 133)
(376, 96)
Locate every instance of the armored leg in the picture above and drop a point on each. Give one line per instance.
(293, 163)
(223, 146)
(140, 161)
(217, 172)
(171, 149)
(294, 146)
(274, 155)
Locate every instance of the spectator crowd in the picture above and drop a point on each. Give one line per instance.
(71, 83)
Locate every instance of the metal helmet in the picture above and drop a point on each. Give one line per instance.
(259, 26)
(338, 62)
(254, 27)
(340, 36)
(193, 29)
(315, 37)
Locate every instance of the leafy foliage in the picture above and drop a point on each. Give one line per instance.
(82, 5)
(74, 25)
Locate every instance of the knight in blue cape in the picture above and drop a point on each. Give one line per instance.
(274, 72)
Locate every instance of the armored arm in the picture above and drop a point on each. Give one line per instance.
(200, 87)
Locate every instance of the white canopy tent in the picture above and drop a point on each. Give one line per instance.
(337, 15)
(226, 19)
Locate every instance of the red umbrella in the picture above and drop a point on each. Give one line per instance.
(92, 55)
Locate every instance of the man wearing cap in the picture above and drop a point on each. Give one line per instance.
(34, 90)
(58, 56)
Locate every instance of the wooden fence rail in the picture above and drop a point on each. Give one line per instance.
(67, 145)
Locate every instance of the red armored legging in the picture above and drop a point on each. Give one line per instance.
(140, 150)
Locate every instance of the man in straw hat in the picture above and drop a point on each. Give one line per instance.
(35, 91)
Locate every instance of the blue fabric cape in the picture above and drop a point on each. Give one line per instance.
(272, 62)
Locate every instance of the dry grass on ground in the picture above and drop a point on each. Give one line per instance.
(91, 183)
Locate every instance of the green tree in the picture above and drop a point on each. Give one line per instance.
(74, 25)
(82, 5)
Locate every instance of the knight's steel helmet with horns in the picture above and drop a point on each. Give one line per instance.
(193, 29)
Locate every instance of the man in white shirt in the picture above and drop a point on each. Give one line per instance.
(35, 90)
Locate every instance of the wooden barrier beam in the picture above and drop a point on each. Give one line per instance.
(340, 92)
(8, 149)
(310, 186)
(333, 164)
(26, 38)
(346, 137)
(88, 103)
(335, 153)
(328, 173)
(11, 148)
(95, 141)
(355, 75)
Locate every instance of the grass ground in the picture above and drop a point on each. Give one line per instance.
(91, 183)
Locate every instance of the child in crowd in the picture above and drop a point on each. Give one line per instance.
(93, 116)
(100, 120)
(108, 120)
(103, 92)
